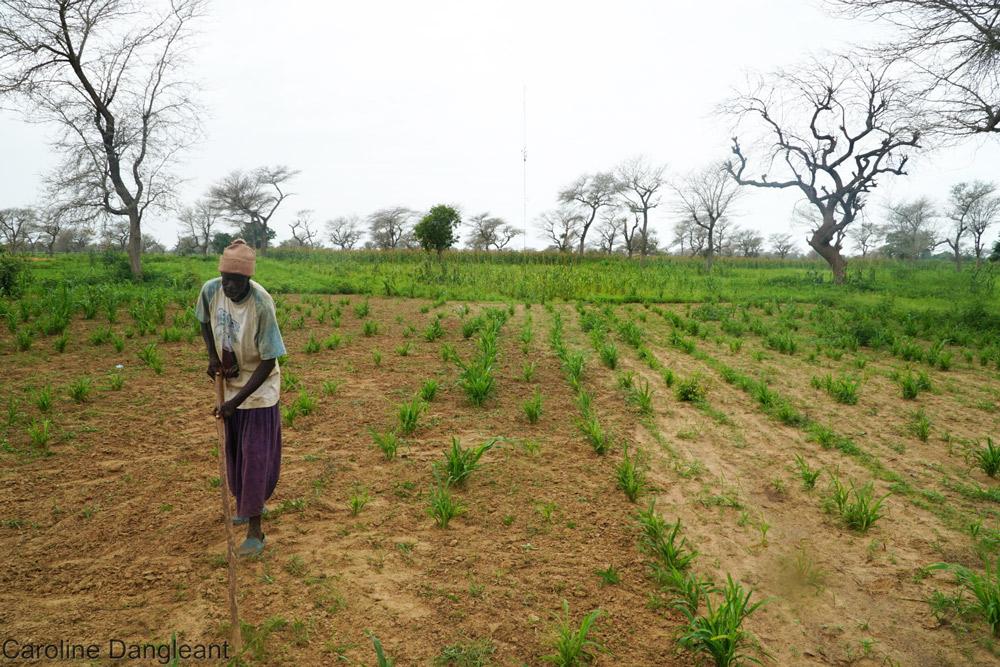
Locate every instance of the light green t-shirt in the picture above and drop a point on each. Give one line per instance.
(248, 329)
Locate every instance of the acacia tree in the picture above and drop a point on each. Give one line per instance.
(984, 214)
(199, 220)
(490, 232)
(639, 185)
(591, 192)
(344, 231)
(107, 75)
(831, 131)
(954, 48)
(967, 202)
(866, 236)
(704, 199)
(250, 200)
(781, 243)
(609, 230)
(562, 226)
(909, 229)
(748, 242)
(16, 227)
(390, 228)
(304, 234)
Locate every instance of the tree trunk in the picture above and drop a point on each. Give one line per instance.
(645, 235)
(134, 245)
(820, 242)
(711, 249)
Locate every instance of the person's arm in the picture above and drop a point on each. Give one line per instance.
(257, 378)
(214, 363)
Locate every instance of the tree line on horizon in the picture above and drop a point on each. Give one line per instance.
(830, 128)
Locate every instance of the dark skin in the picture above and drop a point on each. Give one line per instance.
(236, 287)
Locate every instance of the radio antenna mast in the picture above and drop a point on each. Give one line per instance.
(524, 167)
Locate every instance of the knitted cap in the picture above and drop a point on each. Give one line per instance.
(238, 257)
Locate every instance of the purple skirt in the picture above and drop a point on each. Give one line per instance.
(253, 457)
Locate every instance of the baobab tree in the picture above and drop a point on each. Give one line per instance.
(107, 75)
(250, 200)
(953, 47)
(591, 192)
(639, 185)
(830, 131)
(344, 232)
(705, 197)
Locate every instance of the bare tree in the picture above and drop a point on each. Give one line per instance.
(490, 232)
(591, 192)
(344, 231)
(107, 74)
(609, 230)
(983, 215)
(391, 228)
(562, 225)
(841, 126)
(909, 229)
(115, 234)
(955, 49)
(966, 204)
(250, 200)
(631, 235)
(748, 242)
(16, 227)
(689, 237)
(303, 231)
(705, 197)
(782, 244)
(199, 220)
(639, 185)
(866, 236)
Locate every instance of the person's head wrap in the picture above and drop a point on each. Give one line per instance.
(238, 257)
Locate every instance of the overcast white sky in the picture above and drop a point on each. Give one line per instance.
(383, 103)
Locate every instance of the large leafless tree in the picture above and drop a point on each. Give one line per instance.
(16, 227)
(344, 231)
(831, 130)
(391, 228)
(199, 220)
(639, 186)
(591, 193)
(106, 73)
(303, 229)
(562, 226)
(250, 200)
(910, 229)
(489, 231)
(967, 202)
(953, 47)
(866, 236)
(781, 244)
(704, 198)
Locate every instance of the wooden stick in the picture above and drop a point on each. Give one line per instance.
(234, 613)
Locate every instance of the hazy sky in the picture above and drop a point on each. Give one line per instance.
(386, 103)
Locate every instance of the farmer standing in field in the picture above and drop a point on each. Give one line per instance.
(241, 333)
